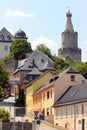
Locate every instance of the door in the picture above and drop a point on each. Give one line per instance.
(83, 124)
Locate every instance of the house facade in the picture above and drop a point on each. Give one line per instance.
(43, 100)
(70, 111)
(45, 97)
(32, 87)
(36, 60)
(65, 79)
(6, 39)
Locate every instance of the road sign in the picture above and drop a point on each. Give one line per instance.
(36, 113)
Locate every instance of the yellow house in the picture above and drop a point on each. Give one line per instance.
(43, 100)
(71, 109)
(45, 97)
(32, 87)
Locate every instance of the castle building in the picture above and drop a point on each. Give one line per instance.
(69, 49)
(6, 38)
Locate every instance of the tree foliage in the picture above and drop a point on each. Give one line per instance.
(44, 49)
(4, 115)
(81, 67)
(4, 76)
(19, 48)
(21, 98)
(60, 64)
(7, 58)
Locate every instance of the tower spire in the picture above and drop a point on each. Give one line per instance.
(69, 26)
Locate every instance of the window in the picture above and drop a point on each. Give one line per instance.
(47, 111)
(43, 111)
(61, 112)
(48, 95)
(30, 78)
(6, 47)
(77, 110)
(56, 113)
(2, 37)
(83, 124)
(9, 38)
(72, 77)
(82, 109)
(51, 110)
(74, 93)
(71, 111)
(66, 111)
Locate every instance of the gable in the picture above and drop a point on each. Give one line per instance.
(43, 79)
(73, 94)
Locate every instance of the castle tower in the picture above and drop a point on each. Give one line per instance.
(69, 42)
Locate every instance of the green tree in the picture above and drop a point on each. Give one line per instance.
(60, 64)
(19, 48)
(7, 58)
(44, 49)
(4, 76)
(81, 67)
(21, 98)
(4, 115)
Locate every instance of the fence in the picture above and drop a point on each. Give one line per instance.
(17, 126)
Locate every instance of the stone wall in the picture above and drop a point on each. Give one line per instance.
(73, 54)
(17, 126)
(11, 66)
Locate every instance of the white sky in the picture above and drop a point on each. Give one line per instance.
(44, 20)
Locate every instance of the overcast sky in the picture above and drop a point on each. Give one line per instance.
(43, 21)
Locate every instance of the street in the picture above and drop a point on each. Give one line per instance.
(8, 104)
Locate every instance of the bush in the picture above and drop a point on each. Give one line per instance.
(4, 115)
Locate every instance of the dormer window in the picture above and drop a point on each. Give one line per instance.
(9, 38)
(2, 37)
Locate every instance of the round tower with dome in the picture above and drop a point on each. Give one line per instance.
(20, 34)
